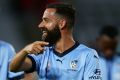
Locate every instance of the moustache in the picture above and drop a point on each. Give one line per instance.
(43, 30)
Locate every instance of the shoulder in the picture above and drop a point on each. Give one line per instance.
(87, 50)
(5, 44)
(6, 48)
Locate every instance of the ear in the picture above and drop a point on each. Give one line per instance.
(62, 24)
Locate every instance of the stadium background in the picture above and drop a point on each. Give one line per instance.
(19, 19)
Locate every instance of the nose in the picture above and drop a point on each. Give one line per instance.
(41, 25)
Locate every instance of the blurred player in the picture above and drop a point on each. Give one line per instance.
(6, 54)
(106, 47)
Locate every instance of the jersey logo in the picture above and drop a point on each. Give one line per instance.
(97, 75)
(97, 72)
(61, 61)
(73, 64)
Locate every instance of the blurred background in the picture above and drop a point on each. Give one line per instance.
(19, 19)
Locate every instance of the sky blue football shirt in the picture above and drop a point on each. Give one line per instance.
(110, 69)
(77, 63)
(6, 54)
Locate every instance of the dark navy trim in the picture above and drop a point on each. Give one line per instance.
(67, 51)
(33, 64)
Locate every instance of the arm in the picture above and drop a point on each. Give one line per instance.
(31, 76)
(92, 69)
(20, 62)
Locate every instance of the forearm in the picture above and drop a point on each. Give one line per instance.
(19, 62)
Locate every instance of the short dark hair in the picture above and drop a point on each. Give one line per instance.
(109, 30)
(66, 10)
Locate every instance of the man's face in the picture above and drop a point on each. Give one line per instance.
(50, 27)
(107, 45)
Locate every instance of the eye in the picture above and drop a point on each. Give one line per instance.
(46, 20)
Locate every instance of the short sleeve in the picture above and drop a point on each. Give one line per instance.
(35, 62)
(92, 69)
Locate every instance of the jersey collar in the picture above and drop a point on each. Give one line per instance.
(67, 51)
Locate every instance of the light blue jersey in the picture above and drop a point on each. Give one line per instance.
(77, 63)
(6, 54)
(110, 68)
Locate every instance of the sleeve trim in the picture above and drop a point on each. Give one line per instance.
(33, 64)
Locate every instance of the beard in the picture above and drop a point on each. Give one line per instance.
(51, 36)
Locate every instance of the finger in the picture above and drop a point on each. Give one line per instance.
(33, 52)
(42, 43)
(36, 50)
(39, 48)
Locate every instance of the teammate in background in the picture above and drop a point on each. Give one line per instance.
(106, 45)
(59, 56)
(6, 54)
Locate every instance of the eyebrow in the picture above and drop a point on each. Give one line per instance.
(46, 19)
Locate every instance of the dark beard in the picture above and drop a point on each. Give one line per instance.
(53, 35)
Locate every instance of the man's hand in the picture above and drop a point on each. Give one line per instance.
(35, 47)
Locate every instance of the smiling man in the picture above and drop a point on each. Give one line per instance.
(58, 56)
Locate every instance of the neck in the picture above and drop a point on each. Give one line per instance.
(64, 43)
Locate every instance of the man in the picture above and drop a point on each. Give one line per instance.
(58, 56)
(106, 47)
(6, 54)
